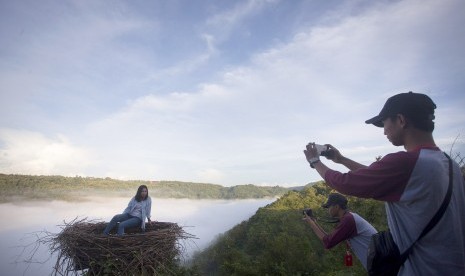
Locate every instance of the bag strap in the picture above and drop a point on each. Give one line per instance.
(348, 247)
(437, 216)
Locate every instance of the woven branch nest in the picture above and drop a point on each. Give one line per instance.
(81, 245)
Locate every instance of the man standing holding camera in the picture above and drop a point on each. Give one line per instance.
(413, 183)
(351, 228)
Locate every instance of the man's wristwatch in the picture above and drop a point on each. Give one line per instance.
(313, 160)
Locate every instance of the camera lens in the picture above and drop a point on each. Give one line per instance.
(327, 153)
(308, 212)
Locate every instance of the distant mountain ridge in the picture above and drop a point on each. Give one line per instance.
(73, 188)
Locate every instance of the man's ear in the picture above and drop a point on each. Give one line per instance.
(402, 120)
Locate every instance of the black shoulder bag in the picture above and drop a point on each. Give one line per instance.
(384, 258)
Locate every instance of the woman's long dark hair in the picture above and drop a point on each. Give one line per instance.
(139, 191)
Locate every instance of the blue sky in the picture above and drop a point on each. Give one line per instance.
(225, 92)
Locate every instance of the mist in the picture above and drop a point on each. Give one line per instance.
(22, 220)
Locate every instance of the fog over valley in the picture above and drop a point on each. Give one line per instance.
(205, 219)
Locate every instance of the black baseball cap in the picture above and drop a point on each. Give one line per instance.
(412, 105)
(335, 198)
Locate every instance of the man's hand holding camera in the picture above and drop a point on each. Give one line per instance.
(314, 151)
(308, 215)
(332, 154)
(311, 219)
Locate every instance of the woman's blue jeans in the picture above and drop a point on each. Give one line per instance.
(123, 221)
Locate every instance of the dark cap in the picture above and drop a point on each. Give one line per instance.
(412, 105)
(335, 198)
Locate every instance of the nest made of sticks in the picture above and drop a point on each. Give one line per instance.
(81, 245)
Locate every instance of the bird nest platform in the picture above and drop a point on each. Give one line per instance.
(81, 246)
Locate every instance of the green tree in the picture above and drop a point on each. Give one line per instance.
(275, 241)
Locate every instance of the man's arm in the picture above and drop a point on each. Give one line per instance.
(336, 156)
(351, 164)
(344, 230)
(315, 227)
(311, 154)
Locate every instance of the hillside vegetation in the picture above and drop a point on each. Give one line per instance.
(74, 188)
(275, 241)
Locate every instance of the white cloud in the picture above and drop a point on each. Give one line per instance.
(211, 175)
(262, 115)
(190, 64)
(232, 17)
(251, 124)
(208, 94)
(27, 152)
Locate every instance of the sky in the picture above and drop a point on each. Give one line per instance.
(224, 92)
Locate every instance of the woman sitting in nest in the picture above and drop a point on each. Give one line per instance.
(135, 214)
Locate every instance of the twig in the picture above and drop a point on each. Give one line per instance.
(81, 246)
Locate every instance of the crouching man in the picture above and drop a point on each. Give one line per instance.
(351, 228)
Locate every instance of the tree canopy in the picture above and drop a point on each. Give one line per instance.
(275, 241)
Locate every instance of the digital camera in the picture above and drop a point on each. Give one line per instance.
(323, 150)
(308, 212)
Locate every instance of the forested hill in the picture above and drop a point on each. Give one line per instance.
(275, 241)
(73, 188)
